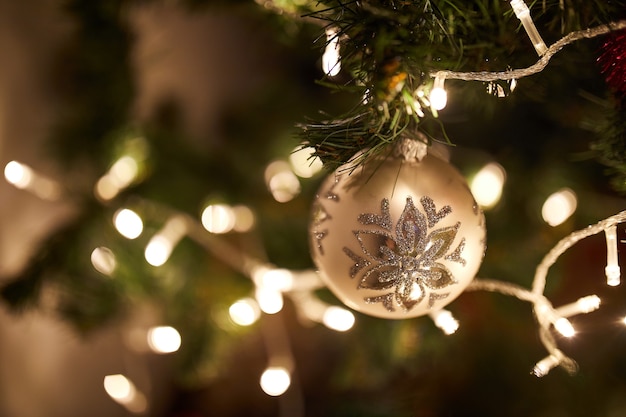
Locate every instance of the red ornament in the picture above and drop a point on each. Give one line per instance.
(613, 62)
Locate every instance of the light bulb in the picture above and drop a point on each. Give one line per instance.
(612, 269)
(563, 326)
(559, 206)
(337, 318)
(270, 301)
(445, 321)
(103, 260)
(244, 312)
(218, 218)
(275, 381)
(164, 339)
(128, 223)
(544, 366)
(18, 174)
(331, 63)
(487, 185)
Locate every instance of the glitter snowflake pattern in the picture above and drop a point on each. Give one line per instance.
(405, 264)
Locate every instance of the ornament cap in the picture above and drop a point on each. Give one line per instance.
(411, 149)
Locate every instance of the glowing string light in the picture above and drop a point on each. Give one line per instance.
(338, 318)
(444, 320)
(612, 269)
(488, 76)
(523, 14)
(128, 223)
(23, 177)
(164, 339)
(487, 185)
(559, 206)
(275, 380)
(103, 260)
(544, 366)
(121, 174)
(244, 312)
(123, 391)
(218, 218)
(162, 244)
(583, 305)
(438, 96)
(331, 60)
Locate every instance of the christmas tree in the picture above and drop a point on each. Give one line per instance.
(171, 201)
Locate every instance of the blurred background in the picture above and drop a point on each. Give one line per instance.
(183, 115)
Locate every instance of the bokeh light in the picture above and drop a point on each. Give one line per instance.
(275, 381)
(303, 164)
(128, 223)
(559, 206)
(487, 185)
(339, 319)
(103, 260)
(218, 218)
(164, 339)
(244, 312)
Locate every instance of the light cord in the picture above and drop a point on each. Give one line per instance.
(488, 76)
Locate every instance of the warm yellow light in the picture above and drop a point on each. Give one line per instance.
(128, 223)
(338, 319)
(612, 269)
(162, 244)
(103, 260)
(18, 174)
(218, 218)
(445, 321)
(487, 185)
(121, 174)
(583, 305)
(123, 391)
(563, 326)
(284, 187)
(270, 301)
(164, 339)
(275, 381)
(303, 164)
(281, 181)
(559, 207)
(158, 250)
(105, 189)
(244, 312)
(119, 387)
(275, 279)
(331, 63)
(438, 98)
(244, 219)
(124, 171)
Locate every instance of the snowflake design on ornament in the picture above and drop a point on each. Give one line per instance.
(406, 265)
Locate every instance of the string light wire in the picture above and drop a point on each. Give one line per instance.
(488, 76)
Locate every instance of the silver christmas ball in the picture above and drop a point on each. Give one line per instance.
(397, 238)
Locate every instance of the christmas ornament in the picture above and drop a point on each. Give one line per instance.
(613, 61)
(398, 237)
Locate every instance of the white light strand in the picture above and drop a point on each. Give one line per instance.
(162, 244)
(546, 315)
(523, 14)
(23, 177)
(445, 321)
(331, 59)
(612, 269)
(488, 76)
(302, 283)
(438, 96)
